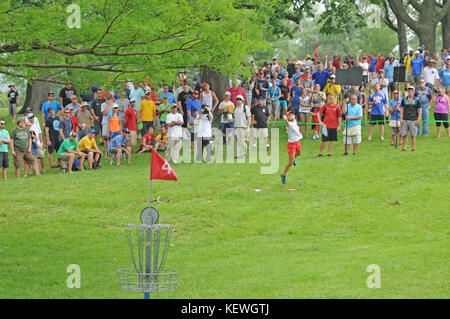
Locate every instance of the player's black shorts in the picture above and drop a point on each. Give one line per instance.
(377, 118)
(4, 160)
(55, 144)
(332, 135)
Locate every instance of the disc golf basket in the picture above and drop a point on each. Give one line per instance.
(149, 244)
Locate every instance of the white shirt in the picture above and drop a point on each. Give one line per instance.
(36, 128)
(102, 109)
(174, 131)
(430, 75)
(365, 67)
(294, 133)
(204, 128)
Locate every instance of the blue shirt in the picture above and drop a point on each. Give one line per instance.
(378, 106)
(4, 146)
(416, 65)
(295, 76)
(296, 98)
(373, 62)
(389, 71)
(321, 78)
(355, 110)
(54, 105)
(193, 105)
(395, 116)
(265, 84)
(445, 77)
(424, 95)
(274, 92)
(119, 140)
(171, 98)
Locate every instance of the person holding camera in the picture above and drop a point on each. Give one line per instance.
(226, 107)
(394, 110)
(242, 121)
(204, 134)
(410, 116)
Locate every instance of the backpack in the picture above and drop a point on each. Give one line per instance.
(245, 113)
(325, 110)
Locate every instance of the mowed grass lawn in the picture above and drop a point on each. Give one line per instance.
(380, 207)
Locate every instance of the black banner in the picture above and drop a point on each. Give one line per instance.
(349, 76)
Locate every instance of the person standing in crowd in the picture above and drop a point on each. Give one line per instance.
(65, 126)
(106, 108)
(65, 94)
(164, 109)
(136, 93)
(147, 111)
(48, 105)
(305, 109)
(380, 63)
(204, 134)
(226, 108)
(119, 145)
(383, 82)
(438, 62)
(290, 67)
(394, 110)
(321, 76)
(52, 137)
(294, 145)
(389, 72)
(174, 122)
(242, 122)
(13, 98)
(114, 122)
(21, 148)
(285, 93)
(330, 118)
(73, 103)
(441, 110)
(88, 146)
(333, 88)
(35, 128)
(236, 90)
(372, 63)
(192, 106)
(296, 93)
(352, 132)
(170, 97)
(314, 119)
(260, 119)
(183, 97)
(69, 151)
(430, 75)
(4, 142)
(424, 96)
(378, 104)
(76, 126)
(444, 75)
(362, 93)
(365, 65)
(130, 122)
(96, 110)
(410, 115)
(416, 68)
(208, 97)
(274, 98)
(84, 119)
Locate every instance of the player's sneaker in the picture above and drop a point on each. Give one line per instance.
(295, 162)
(283, 179)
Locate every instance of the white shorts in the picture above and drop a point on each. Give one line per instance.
(104, 129)
(355, 139)
(261, 132)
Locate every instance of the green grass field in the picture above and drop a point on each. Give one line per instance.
(380, 207)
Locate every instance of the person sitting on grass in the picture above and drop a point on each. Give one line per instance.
(147, 142)
(118, 146)
(69, 151)
(410, 116)
(88, 145)
(294, 142)
(161, 139)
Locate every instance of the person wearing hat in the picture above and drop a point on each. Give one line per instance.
(242, 122)
(96, 111)
(208, 97)
(226, 108)
(106, 108)
(69, 151)
(35, 128)
(65, 125)
(52, 138)
(274, 65)
(260, 120)
(114, 122)
(416, 68)
(430, 74)
(136, 93)
(13, 98)
(21, 144)
(236, 90)
(410, 116)
(182, 98)
(66, 93)
(293, 144)
(118, 145)
(332, 88)
(51, 103)
(84, 119)
(308, 62)
(174, 122)
(204, 134)
(424, 96)
(130, 121)
(88, 145)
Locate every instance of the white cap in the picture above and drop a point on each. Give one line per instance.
(227, 93)
(132, 100)
(240, 97)
(332, 76)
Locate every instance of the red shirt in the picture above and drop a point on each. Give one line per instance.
(130, 116)
(380, 64)
(337, 63)
(75, 123)
(235, 92)
(147, 140)
(332, 113)
(303, 77)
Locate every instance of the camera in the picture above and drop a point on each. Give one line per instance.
(205, 109)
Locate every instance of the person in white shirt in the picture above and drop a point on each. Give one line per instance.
(36, 128)
(174, 121)
(384, 83)
(106, 108)
(430, 74)
(204, 134)
(242, 122)
(365, 69)
(294, 142)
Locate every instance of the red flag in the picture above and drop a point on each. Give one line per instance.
(315, 51)
(161, 169)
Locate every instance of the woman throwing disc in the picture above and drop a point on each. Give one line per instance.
(294, 144)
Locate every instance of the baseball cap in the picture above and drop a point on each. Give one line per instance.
(84, 104)
(267, 76)
(115, 106)
(316, 101)
(132, 100)
(240, 97)
(174, 105)
(50, 93)
(92, 131)
(30, 115)
(332, 76)
(410, 87)
(195, 92)
(274, 58)
(148, 92)
(73, 134)
(108, 96)
(28, 109)
(289, 113)
(417, 52)
(227, 93)
(308, 56)
(432, 61)
(204, 83)
(381, 71)
(260, 98)
(125, 130)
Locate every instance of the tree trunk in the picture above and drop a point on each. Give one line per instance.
(217, 82)
(402, 42)
(37, 93)
(446, 31)
(427, 36)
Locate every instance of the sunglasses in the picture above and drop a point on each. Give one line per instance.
(2, 123)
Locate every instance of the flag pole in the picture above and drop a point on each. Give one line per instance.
(147, 266)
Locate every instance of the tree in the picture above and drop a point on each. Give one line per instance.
(122, 39)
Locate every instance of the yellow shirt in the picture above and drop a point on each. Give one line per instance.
(148, 108)
(408, 63)
(329, 89)
(86, 143)
(164, 140)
